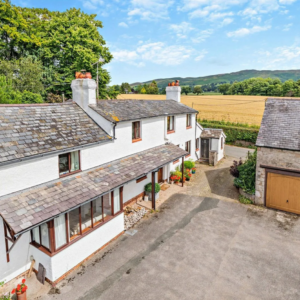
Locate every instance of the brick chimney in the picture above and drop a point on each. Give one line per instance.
(84, 92)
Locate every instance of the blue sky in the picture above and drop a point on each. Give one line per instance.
(189, 38)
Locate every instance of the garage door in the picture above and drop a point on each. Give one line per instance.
(283, 192)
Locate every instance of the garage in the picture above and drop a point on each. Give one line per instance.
(283, 191)
(277, 182)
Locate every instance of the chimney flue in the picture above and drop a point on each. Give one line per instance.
(173, 91)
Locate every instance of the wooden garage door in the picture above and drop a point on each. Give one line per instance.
(283, 192)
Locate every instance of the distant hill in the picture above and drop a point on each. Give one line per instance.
(283, 75)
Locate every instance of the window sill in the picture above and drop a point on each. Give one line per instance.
(68, 174)
(46, 251)
(136, 140)
(187, 155)
(176, 161)
(170, 131)
(188, 127)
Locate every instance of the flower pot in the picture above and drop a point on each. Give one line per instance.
(172, 182)
(193, 171)
(149, 194)
(88, 75)
(21, 296)
(146, 198)
(187, 179)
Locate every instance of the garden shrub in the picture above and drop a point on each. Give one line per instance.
(29, 97)
(189, 164)
(148, 187)
(247, 172)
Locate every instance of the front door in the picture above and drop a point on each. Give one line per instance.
(205, 148)
(160, 175)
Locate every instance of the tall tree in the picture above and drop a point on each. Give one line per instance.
(197, 90)
(125, 88)
(185, 89)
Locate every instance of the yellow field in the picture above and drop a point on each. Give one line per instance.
(242, 109)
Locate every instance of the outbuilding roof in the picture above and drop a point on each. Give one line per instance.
(280, 126)
(211, 133)
(34, 129)
(23, 210)
(126, 110)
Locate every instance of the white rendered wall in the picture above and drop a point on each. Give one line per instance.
(221, 151)
(132, 189)
(19, 256)
(152, 131)
(67, 259)
(19, 176)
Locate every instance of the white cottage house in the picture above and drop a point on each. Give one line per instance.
(66, 170)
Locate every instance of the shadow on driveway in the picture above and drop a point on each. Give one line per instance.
(221, 183)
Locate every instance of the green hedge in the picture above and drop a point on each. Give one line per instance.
(234, 133)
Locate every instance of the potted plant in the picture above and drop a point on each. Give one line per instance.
(21, 290)
(6, 296)
(193, 170)
(148, 190)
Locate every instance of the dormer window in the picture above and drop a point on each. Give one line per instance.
(69, 163)
(136, 131)
(188, 121)
(170, 124)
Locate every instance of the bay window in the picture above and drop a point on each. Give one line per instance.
(69, 163)
(55, 234)
(170, 124)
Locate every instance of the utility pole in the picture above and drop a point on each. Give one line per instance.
(101, 60)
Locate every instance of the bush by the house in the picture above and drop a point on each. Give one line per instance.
(234, 168)
(189, 164)
(148, 188)
(245, 200)
(247, 171)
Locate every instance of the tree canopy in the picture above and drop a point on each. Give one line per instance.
(63, 42)
(263, 87)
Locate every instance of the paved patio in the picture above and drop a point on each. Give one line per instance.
(200, 245)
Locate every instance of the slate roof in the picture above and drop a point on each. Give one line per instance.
(211, 133)
(27, 208)
(280, 126)
(32, 129)
(126, 110)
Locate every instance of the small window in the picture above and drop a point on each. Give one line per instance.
(136, 131)
(170, 123)
(141, 179)
(188, 120)
(69, 163)
(188, 147)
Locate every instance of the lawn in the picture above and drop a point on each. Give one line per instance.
(241, 109)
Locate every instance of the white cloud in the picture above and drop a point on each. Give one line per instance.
(226, 21)
(201, 56)
(149, 9)
(287, 1)
(202, 36)
(287, 27)
(215, 16)
(181, 29)
(198, 13)
(246, 31)
(123, 24)
(286, 57)
(158, 53)
(92, 4)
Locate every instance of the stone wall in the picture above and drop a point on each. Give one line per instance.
(276, 158)
(213, 157)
